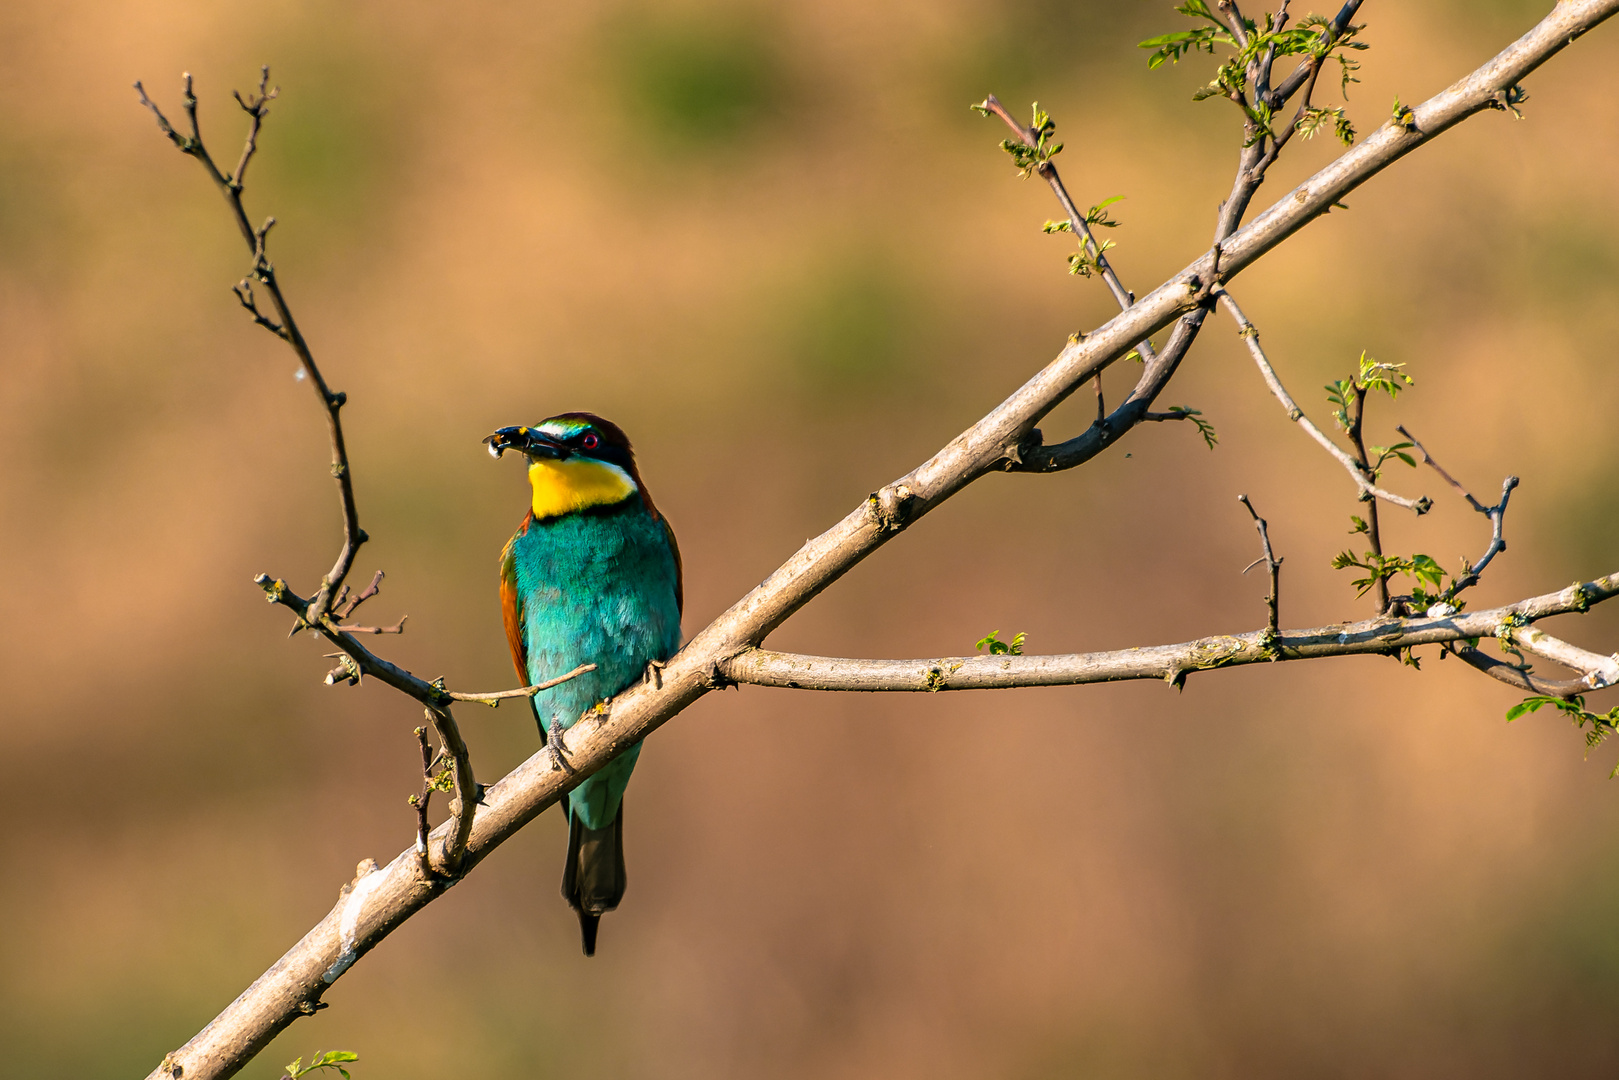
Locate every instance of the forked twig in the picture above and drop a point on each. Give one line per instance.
(1497, 515)
(1272, 564)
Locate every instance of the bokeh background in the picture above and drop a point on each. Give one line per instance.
(773, 243)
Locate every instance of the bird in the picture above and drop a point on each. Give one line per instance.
(592, 576)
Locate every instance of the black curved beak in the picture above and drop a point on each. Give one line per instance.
(528, 440)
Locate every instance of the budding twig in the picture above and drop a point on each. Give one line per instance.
(1363, 482)
(1077, 222)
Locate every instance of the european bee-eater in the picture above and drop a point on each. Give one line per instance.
(591, 577)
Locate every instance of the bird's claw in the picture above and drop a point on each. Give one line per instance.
(553, 738)
(654, 673)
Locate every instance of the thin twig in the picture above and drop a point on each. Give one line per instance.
(343, 608)
(420, 802)
(1077, 222)
(1363, 482)
(1374, 531)
(256, 106)
(1272, 564)
(1497, 515)
(494, 700)
(284, 325)
(396, 628)
(1513, 675)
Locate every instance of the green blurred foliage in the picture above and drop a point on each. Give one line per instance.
(696, 83)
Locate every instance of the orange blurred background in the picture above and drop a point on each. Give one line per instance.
(773, 243)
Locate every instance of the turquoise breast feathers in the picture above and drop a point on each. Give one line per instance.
(596, 586)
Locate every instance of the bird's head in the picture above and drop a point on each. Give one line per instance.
(575, 461)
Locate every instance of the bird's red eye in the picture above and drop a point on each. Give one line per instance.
(590, 442)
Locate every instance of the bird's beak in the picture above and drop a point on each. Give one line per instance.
(531, 441)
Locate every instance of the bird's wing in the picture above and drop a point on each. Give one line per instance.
(680, 574)
(511, 610)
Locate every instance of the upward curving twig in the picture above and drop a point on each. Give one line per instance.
(1497, 515)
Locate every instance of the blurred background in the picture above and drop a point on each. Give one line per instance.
(773, 243)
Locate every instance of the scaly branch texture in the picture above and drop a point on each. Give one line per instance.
(378, 900)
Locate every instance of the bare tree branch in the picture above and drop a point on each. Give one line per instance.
(284, 326)
(379, 900)
(1511, 674)
(1171, 663)
(1598, 672)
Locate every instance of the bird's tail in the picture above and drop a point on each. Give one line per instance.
(593, 878)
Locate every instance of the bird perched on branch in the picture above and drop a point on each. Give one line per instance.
(591, 577)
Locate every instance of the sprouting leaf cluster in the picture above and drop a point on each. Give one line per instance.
(1085, 262)
(1316, 118)
(1370, 375)
(1311, 38)
(1601, 724)
(1402, 115)
(1088, 259)
(1204, 428)
(1029, 158)
(997, 647)
(1427, 576)
(1096, 216)
(332, 1059)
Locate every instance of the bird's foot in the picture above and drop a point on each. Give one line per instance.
(553, 738)
(654, 673)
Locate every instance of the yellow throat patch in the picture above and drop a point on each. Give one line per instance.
(562, 487)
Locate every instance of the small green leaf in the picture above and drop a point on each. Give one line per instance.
(997, 647)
